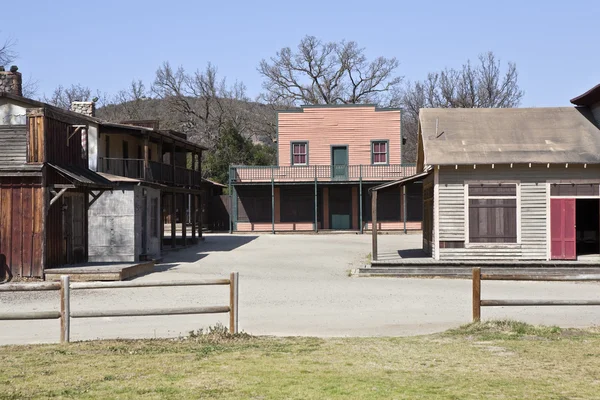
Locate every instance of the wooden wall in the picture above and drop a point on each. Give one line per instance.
(21, 229)
(326, 126)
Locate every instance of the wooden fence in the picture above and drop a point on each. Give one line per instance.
(478, 303)
(65, 314)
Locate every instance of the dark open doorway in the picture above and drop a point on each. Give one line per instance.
(588, 226)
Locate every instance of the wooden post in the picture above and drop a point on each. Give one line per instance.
(476, 294)
(199, 202)
(233, 302)
(316, 200)
(65, 309)
(272, 203)
(360, 200)
(173, 219)
(374, 224)
(146, 160)
(162, 220)
(183, 215)
(404, 206)
(173, 162)
(193, 217)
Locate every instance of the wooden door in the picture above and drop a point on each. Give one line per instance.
(74, 227)
(340, 207)
(562, 229)
(339, 163)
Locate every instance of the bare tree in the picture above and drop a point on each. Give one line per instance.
(7, 52)
(63, 96)
(485, 85)
(327, 73)
(202, 100)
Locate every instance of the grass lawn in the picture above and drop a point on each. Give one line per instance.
(493, 360)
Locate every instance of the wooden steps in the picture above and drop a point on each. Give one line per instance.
(100, 271)
(465, 272)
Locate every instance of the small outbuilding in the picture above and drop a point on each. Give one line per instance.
(510, 184)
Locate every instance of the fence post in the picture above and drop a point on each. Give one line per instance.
(476, 294)
(65, 309)
(233, 302)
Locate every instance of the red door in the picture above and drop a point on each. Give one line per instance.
(562, 229)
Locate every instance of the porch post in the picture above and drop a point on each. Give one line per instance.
(193, 216)
(199, 203)
(162, 219)
(360, 200)
(173, 219)
(230, 193)
(374, 224)
(316, 197)
(183, 215)
(173, 162)
(404, 206)
(272, 202)
(146, 160)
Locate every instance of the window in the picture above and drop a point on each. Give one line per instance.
(300, 153)
(379, 151)
(492, 213)
(154, 217)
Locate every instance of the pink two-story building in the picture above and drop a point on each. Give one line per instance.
(328, 157)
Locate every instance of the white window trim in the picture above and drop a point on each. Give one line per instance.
(469, 245)
(305, 163)
(387, 152)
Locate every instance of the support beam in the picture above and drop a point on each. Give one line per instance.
(193, 216)
(374, 224)
(146, 157)
(161, 207)
(173, 219)
(183, 215)
(230, 193)
(199, 199)
(316, 200)
(272, 202)
(404, 208)
(95, 196)
(360, 202)
(57, 195)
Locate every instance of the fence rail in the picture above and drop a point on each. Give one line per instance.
(65, 314)
(478, 302)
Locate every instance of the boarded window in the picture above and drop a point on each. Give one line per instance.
(154, 217)
(380, 152)
(300, 153)
(493, 213)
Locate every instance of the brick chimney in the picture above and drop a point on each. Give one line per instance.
(11, 81)
(84, 107)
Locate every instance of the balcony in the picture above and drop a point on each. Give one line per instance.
(321, 173)
(157, 172)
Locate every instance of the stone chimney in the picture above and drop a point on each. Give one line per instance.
(84, 107)
(11, 81)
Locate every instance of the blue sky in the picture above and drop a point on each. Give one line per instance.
(106, 44)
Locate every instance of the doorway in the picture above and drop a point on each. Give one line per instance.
(340, 207)
(339, 163)
(587, 226)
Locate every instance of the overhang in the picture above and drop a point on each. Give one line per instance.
(82, 177)
(400, 182)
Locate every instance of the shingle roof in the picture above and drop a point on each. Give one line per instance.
(513, 135)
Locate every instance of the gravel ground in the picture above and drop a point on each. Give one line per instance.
(294, 285)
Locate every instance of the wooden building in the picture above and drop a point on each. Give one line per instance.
(45, 185)
(511, 184)
(328, 157)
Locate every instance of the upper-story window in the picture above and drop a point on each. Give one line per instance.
(379, 152)
(299, 153)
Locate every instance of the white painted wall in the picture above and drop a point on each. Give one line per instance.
(12, 113)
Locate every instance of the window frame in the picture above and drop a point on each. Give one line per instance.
(298, 142)
(467, 197)
(387, 152)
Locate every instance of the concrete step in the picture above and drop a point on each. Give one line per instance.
(99, 272)
(466, 272)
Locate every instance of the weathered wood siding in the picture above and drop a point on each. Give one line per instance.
(326, 126)
(533, 201)
(21, 227)
(13, 145)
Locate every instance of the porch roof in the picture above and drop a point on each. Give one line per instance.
(82, 177)
(400, 182)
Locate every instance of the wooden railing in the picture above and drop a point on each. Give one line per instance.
(65, 314)
(321, 173)
(157, 172)
(128, 167)
(478, 303)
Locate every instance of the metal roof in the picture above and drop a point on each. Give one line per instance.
(509, 135)
(80, 176)
(400, 182)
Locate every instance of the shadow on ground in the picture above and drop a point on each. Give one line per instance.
(197, 252)
(412, 253)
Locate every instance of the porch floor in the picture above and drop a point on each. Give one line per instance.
(98, 271)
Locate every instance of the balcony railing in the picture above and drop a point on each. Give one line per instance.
(157, 172)
(321, 173)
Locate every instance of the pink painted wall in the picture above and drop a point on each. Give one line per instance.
(354, 126)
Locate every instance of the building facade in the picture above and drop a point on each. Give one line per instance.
(511, 184)
(327, 159)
